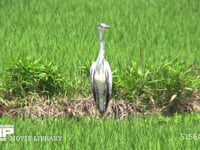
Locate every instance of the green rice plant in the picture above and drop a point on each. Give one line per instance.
(25, 75)
(77, 82)
(158, 132)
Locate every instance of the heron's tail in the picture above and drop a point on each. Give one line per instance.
(101, 105)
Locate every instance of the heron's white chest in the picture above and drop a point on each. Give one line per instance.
(100, 81)
(100, 77)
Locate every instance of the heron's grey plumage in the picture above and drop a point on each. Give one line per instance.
(101, 76)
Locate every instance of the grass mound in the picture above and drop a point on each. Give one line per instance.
(159, 84)
(24, 76)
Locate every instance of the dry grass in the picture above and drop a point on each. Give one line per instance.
(86, 107)
(80, 107)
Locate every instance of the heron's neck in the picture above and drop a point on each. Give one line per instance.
(102, 49)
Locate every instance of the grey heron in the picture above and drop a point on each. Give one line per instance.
(101, 75)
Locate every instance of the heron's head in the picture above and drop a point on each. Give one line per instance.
(103, 26)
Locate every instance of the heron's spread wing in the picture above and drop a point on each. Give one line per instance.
(92, 73)
(108, 80)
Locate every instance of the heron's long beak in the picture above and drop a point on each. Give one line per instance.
(107, 27)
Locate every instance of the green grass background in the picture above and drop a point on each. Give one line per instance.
(65, 33)
(178, 132)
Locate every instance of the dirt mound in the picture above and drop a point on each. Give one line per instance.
(86, 107)
(80, 107)
(185, 105)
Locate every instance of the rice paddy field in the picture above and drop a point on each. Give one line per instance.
(179, 132)
(146, 36)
